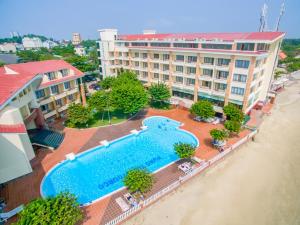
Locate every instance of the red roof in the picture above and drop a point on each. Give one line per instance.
(25, 73)
(15, 128)
(255, 36)
(282, 55)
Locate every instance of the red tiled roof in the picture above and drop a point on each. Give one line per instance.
(26, 72)
(15, 128)
(268, 36)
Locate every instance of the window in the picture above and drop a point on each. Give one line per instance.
(258, 63)
(240, 78)
(156, 66)
(183, 95)
(208, 60)
(242, 64)
(67, 85)
(237, 91)
(145, 55)
(64, 72)
(255, 76)
(223, 62)
(192, 59)
(262, 47)
(155, 75)
(139, 44)
(259, 83)
(71, 97)
(51, 75)
(245, 46)
(120, 54)
(136, 64)
(179, 69)
(180, 58)
(190, 81)
(220, 86)
(45, 107)
(58, 102)
(179, 79)
(206, 84)
(165, 67)
(222, 74)
(54, 89)
(137, 72)
(156, 56)
(136, 55)
(216, 46)
(185, 45)
(40, 93)
(160, 44)
(145, 74)
(166, 56)
(145, 65)
(165, 77)
(207, 72)
(191, 70)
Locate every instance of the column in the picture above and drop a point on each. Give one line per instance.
(229, 79)
(248, 84)
(196, 88)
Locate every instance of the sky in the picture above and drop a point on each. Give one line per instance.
(59, 18)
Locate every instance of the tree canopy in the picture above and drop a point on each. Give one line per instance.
(78, 115)
(184, 150)
(107, 83)
(159, 92)
(138, 180)
(233, 126)
(61, 209)
(218, 135)
(203, 108)
(233, 113)
(99, 100)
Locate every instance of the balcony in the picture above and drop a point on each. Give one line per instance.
(49, 113)
(205, 77)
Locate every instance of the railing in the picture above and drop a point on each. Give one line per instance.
(124, 215)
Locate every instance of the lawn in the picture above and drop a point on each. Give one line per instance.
(101, 119)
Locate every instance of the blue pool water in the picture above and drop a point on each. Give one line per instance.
(100, 171)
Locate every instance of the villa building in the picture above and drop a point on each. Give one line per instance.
(30, 94)
(220, 67)
(32, 43)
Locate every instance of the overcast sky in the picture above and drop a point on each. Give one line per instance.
(59, 18)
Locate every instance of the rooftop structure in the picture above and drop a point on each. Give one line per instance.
(76, 39)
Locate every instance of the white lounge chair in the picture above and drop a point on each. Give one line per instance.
(185, 167)
(130, 199)
(5, 216)
(217, 121)
(123, 205)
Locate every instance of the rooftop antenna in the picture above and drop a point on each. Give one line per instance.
(282, 11)
(263, 18)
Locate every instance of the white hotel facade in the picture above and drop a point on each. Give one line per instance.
(220, 67)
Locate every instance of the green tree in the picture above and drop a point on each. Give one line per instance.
(159, 93)
(81, 63)
(203, 108)
(138, 180)
(126, 77)
(218, 135)
(233, 126)
(78, 115)
(99, 100)
(61, 209)
(1, 63)
(184, 150)
(233, 113)
(130, 98)
(107, 83)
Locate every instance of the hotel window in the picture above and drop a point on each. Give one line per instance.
(137, 72)
(245, 46)
(67, 85)
(51, 76)
(136, 64)
(242, 64)
(45, 107)
(209, 60)
(156, 56)
(207, 72)
(58, 102)
(120, 54)
(145, 65)
(165, 67)
(240, 78)
(219, 86)
(222, 74)
(54, 89)
(40, 93)
(166, 57)
(190, 82)
(223, 62)
(179, 79)
(262, 47)
(139, 44)
(192, 59)
(166, 77)
(185, 45)
(216, 46)
(179, 69)
(156, 76)
(64, 72)
(71, 97)
(206, 84)
(191, 70)
(156, 66)
(180, 58)
(160, 44)
(136, 55)
(255, 76)
(145, 55)
(126, 44)
(145, 74)
(258, 63)
(237, 91)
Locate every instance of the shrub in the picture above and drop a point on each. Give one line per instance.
(233, 126)
(184, 150)
(218, 135)
(61, 209)
(138, 180)
(233, 113)
(107, 83)
(159, 92)
(78, 115)
(203, 108)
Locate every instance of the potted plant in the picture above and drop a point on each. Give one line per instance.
(219, 137)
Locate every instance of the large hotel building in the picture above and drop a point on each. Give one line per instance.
(220, 67)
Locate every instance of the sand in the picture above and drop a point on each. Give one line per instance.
(257, 185)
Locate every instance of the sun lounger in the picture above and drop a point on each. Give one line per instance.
(130, 199)
(217, 121)
(5, 216)
(185, 167)
(198, 118)
(123, 205)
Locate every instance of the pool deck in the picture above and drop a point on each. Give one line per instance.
(27, 188)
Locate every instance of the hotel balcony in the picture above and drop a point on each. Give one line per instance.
(206, 77)
(49, 113)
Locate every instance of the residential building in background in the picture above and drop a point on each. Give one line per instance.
(80, 50)
(14, 34)
(30, 94)
(49, 44)
(31, 43)
(8, 47)
(76, 39)
(220, 67)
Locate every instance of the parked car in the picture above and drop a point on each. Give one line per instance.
(89, 78)
(97, 87)
(92, 86)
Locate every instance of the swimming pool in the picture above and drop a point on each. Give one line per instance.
(100, 171)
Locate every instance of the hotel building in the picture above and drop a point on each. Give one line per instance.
(30, 94)
(220, 67)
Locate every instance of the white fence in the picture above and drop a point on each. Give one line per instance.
(177, 183)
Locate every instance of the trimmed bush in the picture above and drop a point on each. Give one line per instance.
(184, 150)
(138, 180)
(203, 108)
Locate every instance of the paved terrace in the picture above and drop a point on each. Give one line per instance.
(26, 188)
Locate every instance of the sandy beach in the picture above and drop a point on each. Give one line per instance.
(258, 184)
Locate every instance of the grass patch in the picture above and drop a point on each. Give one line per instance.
(160, 105)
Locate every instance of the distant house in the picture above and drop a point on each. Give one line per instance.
(80, 50)
(49, 44)
(32, 43)
(8, 47)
